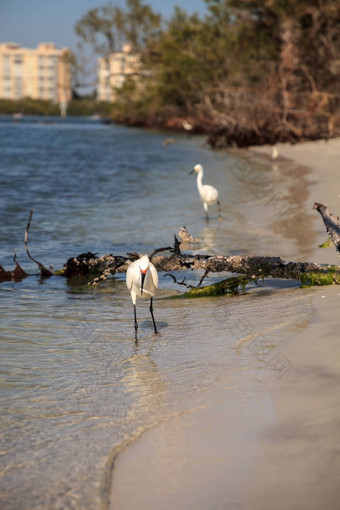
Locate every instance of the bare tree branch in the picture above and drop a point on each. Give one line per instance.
(187, 285)
(44, 273)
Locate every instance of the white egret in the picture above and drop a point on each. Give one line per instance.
(208, 194)
(142, 281)
(275, 153)
(187, 126)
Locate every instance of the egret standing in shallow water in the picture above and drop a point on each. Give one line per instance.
(142, 281)
(208, 194)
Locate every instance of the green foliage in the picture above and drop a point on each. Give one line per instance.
(89, 106)
(262, 71)
(28, 106)
(108, 27)
(185, 66)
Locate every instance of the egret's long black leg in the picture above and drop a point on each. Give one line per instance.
(153, 319)
(206, 211)
(219, 210)
(136, 325)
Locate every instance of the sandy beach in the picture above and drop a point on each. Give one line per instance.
(278, 449)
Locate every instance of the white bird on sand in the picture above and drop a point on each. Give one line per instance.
(275, 153)
(208, 194)
(142, 281)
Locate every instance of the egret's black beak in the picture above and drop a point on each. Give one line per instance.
(142, 284)
(192, 171)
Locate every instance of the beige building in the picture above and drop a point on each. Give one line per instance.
(113, 70)
(42, 73)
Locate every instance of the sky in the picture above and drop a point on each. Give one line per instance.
(29, 22)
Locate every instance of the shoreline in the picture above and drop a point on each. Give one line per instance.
(278, 452)
(298, 465)
(169, 125)
(309, 154)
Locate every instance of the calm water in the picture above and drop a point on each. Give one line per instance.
(74, 386)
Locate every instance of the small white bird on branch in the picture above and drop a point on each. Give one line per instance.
(142, 282)
(208, 194)
(186, 237)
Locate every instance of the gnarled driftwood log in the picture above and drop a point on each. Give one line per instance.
(97, 269)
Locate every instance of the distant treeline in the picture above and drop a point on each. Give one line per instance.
(28, 106)
(248, 72)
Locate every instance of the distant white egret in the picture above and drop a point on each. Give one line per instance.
(275, 153)
(142, 281)
(187, 125)
(208, 194)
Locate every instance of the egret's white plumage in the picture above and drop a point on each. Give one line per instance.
(275, 152)
(208, 194)
(142, 282)
(187, 125)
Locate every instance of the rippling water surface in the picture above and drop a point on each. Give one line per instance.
(74, 386)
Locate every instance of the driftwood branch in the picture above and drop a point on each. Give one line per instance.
(159, 250)
(203, 278)
(252, 268)
(97, 269)
(16, 275)
(187, 285)
(44, 272)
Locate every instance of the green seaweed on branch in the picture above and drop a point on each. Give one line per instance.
(235, 286)
(313, 279)
(326, 244)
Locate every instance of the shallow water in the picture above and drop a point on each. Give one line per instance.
(74, 386)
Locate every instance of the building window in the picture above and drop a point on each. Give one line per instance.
(18, 88)
(6, 66)
(51, 61)
(50, 73)
(18, 59)
(7, 93)
(18, 67)
(41, 64)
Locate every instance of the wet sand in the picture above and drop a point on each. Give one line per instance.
(298, 464)
(280, 448)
